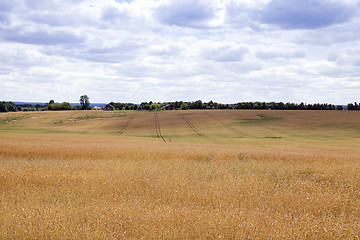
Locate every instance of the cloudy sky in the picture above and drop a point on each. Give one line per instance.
(165, 50)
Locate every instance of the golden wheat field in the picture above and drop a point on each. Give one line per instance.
(204, 174)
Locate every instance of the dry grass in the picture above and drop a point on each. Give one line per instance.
(76, 186)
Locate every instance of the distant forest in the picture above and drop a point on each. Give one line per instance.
(52, 106)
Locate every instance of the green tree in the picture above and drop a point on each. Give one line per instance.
(54, 107)
(144, 106)
(351, 106)
(196, 105)
(9, 107)
(339, 107)
(184, 106)
(84, 102)
(65, 106)
(155, 106)
(3, 107)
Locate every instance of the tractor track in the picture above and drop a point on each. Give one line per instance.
(225, 125)
(125, 126)
(192, 126)
(157, 127)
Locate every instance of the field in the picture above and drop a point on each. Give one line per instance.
(204, 174)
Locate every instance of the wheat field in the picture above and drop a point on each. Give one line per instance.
(180, 175)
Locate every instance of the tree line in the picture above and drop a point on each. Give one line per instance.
(241, 105)
(51, 106)
(8, 107)
(85, 105)
(354, 106)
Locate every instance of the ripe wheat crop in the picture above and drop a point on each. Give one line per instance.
(58, 181)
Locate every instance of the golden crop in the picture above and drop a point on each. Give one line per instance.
(251, 174)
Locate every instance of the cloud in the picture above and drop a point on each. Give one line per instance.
(165, 50)
(305, 14)
(54, 19)
(40, 4)
(123, 11)
(126, 51)
(221, 52)
(111, 13)
(122, 1)
(269, 54)
(349, 57)
(237, 13)
(4, 17)
(51, 5)
(43, 37)
(186, 13)
(6, 6)
(336, 34)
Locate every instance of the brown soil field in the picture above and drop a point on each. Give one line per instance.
(203, 174)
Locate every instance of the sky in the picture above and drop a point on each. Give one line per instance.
(226, 51)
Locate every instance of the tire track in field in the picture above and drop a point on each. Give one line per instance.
(157, 127)
(225, 125)
(192, 126)
(269, 132)
(125, 126)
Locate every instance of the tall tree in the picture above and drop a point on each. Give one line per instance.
(84, 102)
(65, 106)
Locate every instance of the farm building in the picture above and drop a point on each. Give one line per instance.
(24, 108)
(168, 107)
(109, 107)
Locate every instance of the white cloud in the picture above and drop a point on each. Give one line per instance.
(188, 13)
(305, 14)
(164, 50)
